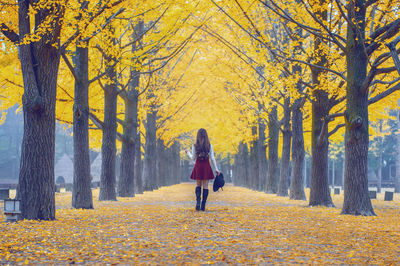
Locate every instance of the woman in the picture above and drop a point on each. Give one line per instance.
(201, 153)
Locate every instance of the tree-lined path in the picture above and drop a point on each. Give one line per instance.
(103, 97)
(241, 226)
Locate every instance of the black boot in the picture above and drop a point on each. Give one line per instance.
(203, 202)
(198, 198)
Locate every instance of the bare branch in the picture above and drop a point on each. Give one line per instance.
(384, 94)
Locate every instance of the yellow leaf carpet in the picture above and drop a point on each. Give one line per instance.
(240, 226)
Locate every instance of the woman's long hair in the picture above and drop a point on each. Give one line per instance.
(202, 146)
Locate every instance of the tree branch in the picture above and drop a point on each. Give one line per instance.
(382, 95)
(10, 34)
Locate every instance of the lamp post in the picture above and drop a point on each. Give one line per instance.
(12, 209)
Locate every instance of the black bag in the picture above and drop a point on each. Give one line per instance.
(219, 182)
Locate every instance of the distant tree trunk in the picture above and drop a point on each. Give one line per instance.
(81, 192)
(39, 65)
(108, 147)
(175, 150)
(242, 165)
(150, 156)
(285, 160)
(379, 170)
(161, 164)
(356, 195)
(262, 156)
(138, 166)
(333, 172)
(397, 177)
(297, 179)
(254, 170)
(272, 175)
(131, 97)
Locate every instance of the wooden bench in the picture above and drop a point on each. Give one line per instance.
(4, 193)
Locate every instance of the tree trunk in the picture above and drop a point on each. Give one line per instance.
(319, 182)
(108, 147)
(175, 150)
(321, 105)
(126, 182)
(397, 177)
(272, 175)
(285, 160)
(138, 165)
(149, 165)
(297, 179)
(262, 156)
(39, 65)
(254, 170)
(161, 163)
(81, 192)
(379, 170)
(356, 195)
(333, 173)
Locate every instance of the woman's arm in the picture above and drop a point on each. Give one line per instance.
(212, 157)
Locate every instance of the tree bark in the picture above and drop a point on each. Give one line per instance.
(108, 147)
(138, 165)
(176, 157)
(150, 156)
(262, 156)
(380, 159)
(81, 192)
(356, 195)
(254, 170)
(272, 175)
(161, 163)
(319, 182)
(397, 177)
(321, 105)
(126, 180)
(298, 152)
(39, 65)
(285, 160)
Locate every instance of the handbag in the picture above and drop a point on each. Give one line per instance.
(219, 182)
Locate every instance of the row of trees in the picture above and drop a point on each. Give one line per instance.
(330, 63)
(149, 74)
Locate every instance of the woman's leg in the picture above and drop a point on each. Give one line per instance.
(205, 195)
(198, 194)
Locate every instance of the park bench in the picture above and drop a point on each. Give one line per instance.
(389, 195)
(12, 209)
(4, 193)
(372, 192)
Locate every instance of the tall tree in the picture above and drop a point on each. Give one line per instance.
(285, 160)
(297, 178)
(356, 197)
(149, 164)
(109, 127)
(131, 98)
(273, 140)
(81, 192)
(39, 65)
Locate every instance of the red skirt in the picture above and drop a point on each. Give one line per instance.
(202, 170)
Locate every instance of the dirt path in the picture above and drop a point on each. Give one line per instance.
(240, 226)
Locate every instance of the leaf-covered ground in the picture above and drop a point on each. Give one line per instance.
(240, 226)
